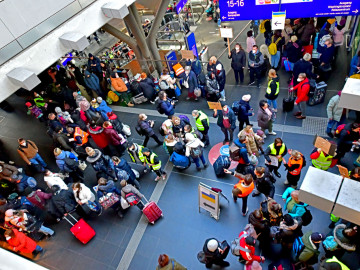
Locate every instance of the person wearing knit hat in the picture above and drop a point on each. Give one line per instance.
(194, 148)
(310, 252)
(215, 253)
(243, 111)
(221, 79)
(153, 161)
(101, 163)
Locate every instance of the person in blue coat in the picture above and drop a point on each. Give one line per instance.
(94, 66)
(245, 111)
(92, 82)
(121, 164)
(196, 66)
(294, 207)
(103, 108)
(191, 79)
(75, 173)
(226, 121)
(165, 105)
(221, 79)
(355, 64)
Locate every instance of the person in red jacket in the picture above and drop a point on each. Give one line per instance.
(99, 137)
(114, 138)
(18, 241)
(247, 248)
(303, 88)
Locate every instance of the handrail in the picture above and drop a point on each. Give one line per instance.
(169, 40)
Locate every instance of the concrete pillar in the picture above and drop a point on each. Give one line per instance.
(151, 39)
(137, 17)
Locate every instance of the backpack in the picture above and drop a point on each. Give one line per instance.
(122, 175)
(235, 246)
(132, 199)
(236, 107)
(262, 26)
(114, 97)
(273, 45)
(306, 217)
(164, 85)
(139, 130)
(339, 129)
(330, 243)
(221, 163)
(196, 152)
(179, 161)
(159, 108)
(71, 163)
(184, 118)
(234, 151)
(298, 246)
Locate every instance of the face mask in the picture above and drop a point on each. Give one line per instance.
(253, 51)
(299, 80)
(237, 49)
(187, 72)
(23, 144)
(8, 238)
(145, 117)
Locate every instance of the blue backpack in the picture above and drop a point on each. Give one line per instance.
(184, 118)
(236, 107)
(221, 163)
(330, 243)
(180, 161)
(298, 246)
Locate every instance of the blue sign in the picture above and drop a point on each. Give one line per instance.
(237, 10)
(171, 60)
(190, 42)
(180, 5)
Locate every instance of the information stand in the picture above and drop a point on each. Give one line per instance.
(209, 200)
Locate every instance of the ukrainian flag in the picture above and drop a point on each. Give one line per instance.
(209, 197)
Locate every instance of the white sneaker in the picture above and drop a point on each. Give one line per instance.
(272, 133)
(286, 182)
(264, 136)
(157, 178)
(222, 99)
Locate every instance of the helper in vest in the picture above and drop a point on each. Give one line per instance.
(29, 153)
(247, 249)
(194, 149)
(294, 207)
(303, 88)
(202, 125)
(242, 189)
(275, 48)
(226, 121)
(321, 160)
(294, 166)
(348, 137)
(310, 251)
(274, 154)
(256, 60)
(214, 254)
(135, 152)
(332, 264)
(153, 161)
(273, 89)
(80, 137)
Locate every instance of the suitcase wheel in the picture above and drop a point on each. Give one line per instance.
(162, 215)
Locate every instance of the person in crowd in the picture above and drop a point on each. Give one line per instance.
(215, 254)
(268, 32)
(212, 87)
(194, 148)
(37, 197)
(121, 89)
(289, 229)
(114, 138)
(169, 143)
(67, 163)
(294, 166)
(273, 89)
(335, 114)
(121, 164)
(304, 65)
(322, 160)
(221, 79)
(264, 183)
(226, 121)
(146, 127)
(167, 127)
(279, 41)
(116, 123)
(105, 187)
(244, 162)
(98, 135)
(103, 108)
(29, 152)
(84, 196)
(293, 51)
(62, 140)
(347, 138)
(192, 83)
(94, 65)
(52, 179)
(79, 137)
(245, 111)
(213, 62)
(274, 154)
(178, 125)
(332, 264)
(202, 125)
(165, 263)
(310, 253)
(19, 242)
(238, 62)
(63, 200)
(147, 86)
(135, 152)
(306, 32)
(153, 161)
(167, 83)
(261, 225)
(7, 170)
(247, 249)
(326, 59)
(265, 118)
(165, 105)
(338, 36)
(355, 64)
(242, 189)
(302, 88)
(256, 60)
(294, 207)
(131, 193)
(92, 82)
(253, 141)
(250, 41)
(355, 174)
(272, 211)
(101, 163)
(345, 237)
(287, 32)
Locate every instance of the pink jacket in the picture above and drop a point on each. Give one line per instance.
(250, 42)
(338, 36)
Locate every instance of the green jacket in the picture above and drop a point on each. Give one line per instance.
(310, 249)
(172, 265)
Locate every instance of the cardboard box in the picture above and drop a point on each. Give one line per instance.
(326, 146)
(214, 105)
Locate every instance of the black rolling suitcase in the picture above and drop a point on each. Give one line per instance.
(288, 102)
(318, 95)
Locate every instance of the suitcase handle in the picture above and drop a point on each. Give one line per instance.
(68, 220)
(145, 199)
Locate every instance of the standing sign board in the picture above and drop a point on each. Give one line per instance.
(190, 42)
(278, 20)
(209, 200)
(171, 59)
(180, 5)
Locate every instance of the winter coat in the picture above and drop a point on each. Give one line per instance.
(231, 116)
(108, 188)
(21, 242)
(354, 64)
(8, 171)
(212, 85)
(104, 109)
(310, 251)
(212, 67)
(64, 201)
(118, 84)
(124, 165)
(39, 198)
(244, 108)
(263, 118)
(221, 78)
(298, 209)
(306, 32)
(100, 162)
(260, 226)
(92, 81)
(54, 179)
(238, 59)
(196, 67)
(130, 189)
(273, 87)
(112, 136)
(256, 59)
(167, 107)
(343, 241)
(192, 81)
(96, 61)
(146, 128)
(117, 125)
(287, 234)
(147, 86)
(249, 257)
(327, 55)
(333, 109)
(293, 51)
(251, 145)
(99, 137)
(172, 265)
(60, 160)
(85, 194)
(75, 116)
(28, 152)
(212, 256)
(243, 152)
(170, 81)
(303, 66)
(62, 140)
(192, 145)
(303, 89)
(346, 138)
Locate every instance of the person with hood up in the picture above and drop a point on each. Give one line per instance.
(120, 88)
(152, 160)
(194, 148)
(215, 254)
(274, 154)
(346, 239)
(238, 62)
(245, 111)
(264, 182)
(120, 164)
(146, 127)
(114, 138)
(289, 229)
(63, 160)
(19, 242)
(335, 114)
(94, 65)
(92, 82)
(310, 252)
(226, 121)
(294, 166)
(221, 79)
(147, 86)
(191, 82)
(101, 163)
(98, 135)
(265, 118)
(103, 108)
(303, 88)
(273, 89)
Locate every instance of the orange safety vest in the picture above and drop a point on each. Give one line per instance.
(292, 161)
(245, 191)
(84, 135)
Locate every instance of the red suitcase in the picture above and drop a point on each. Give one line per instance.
(81, 230)
(152, 211)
